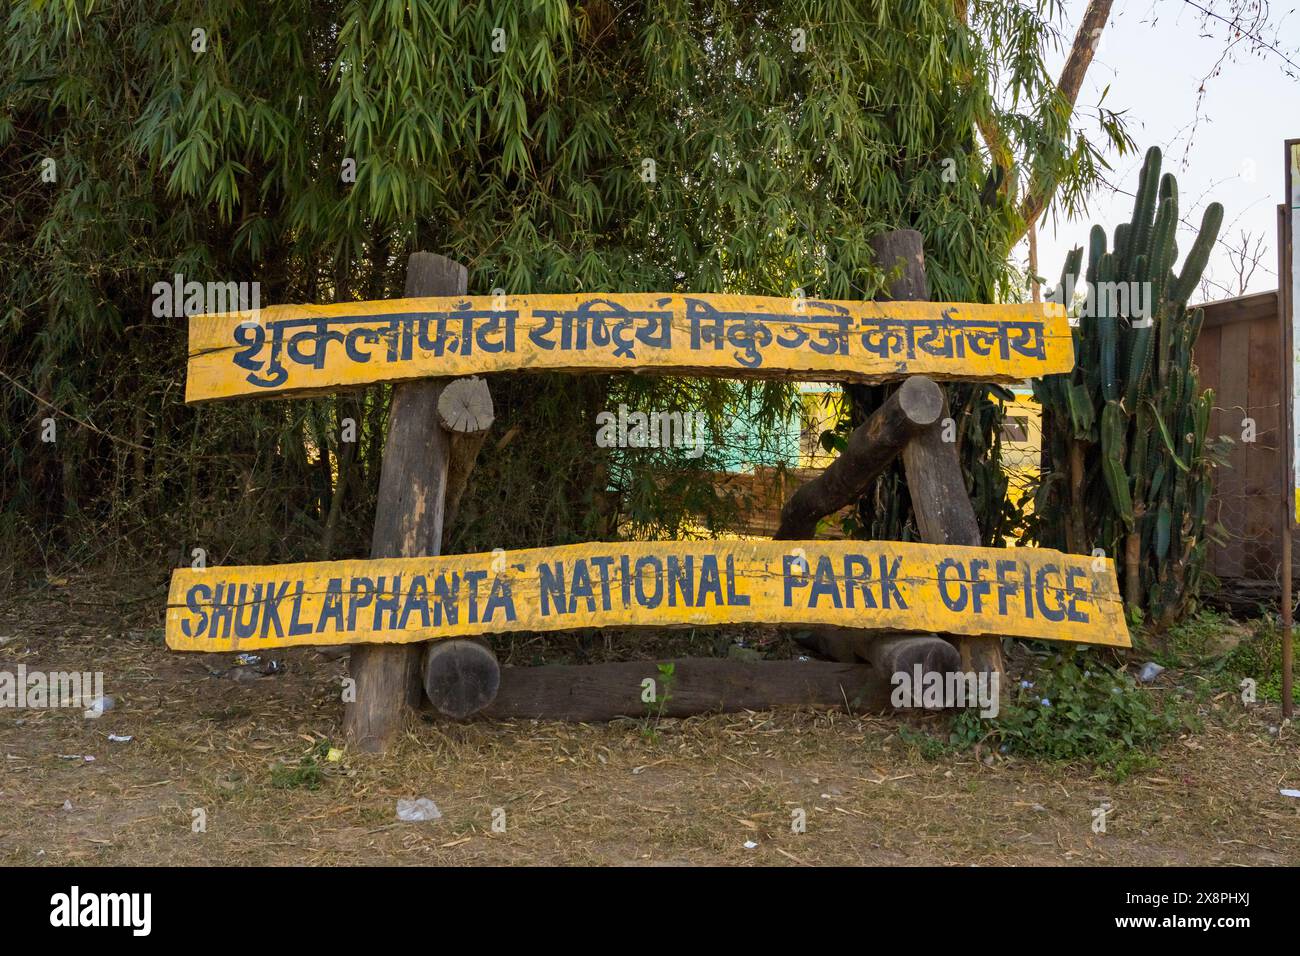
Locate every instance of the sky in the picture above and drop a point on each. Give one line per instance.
(1154, 56)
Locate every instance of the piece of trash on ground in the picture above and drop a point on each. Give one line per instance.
(750, 844)
(418, 810)
(119, 739)
(100, 705)
(1290, 793)
(1150, 671)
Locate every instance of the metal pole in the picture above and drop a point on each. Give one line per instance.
(1285, 308)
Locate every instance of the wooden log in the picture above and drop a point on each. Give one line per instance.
(901, 254)
(902, 654)
(597, 692)
(870, 448)
(944, 515)
(940, 502)
(465, 412)
(461, 676)
(408, 523)
(889, 652)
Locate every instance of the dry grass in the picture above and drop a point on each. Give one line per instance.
(692, 793)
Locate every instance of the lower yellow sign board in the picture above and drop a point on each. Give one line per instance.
(864, 584)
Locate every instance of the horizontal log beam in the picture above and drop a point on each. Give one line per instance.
(599, 692)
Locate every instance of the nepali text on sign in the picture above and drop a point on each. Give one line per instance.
(305, 348)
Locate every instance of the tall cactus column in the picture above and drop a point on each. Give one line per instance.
(1125, 434)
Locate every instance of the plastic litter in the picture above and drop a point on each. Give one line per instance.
(119, 739)
(100, 705)
(418, 810)
(1290, 793)
(1150, 671)
(251, 668)
(67, 805)
(750, 844)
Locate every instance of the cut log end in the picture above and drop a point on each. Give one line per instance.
(461, 677)
(921, 400)
(902, 655)
(465, 406)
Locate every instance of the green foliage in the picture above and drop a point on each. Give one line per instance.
(927, 745)
(1128, 461)
(1076, 709)
(307, 775)
(663, 694)
(773, 167)
(1259, 658)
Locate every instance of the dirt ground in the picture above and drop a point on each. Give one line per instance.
(249, 755)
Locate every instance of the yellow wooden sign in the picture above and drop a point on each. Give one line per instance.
(293, 349)
(867, 584)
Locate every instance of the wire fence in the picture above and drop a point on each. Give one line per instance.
(1245, 512)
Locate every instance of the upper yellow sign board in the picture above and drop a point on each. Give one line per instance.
(295, 349)
(863, 584)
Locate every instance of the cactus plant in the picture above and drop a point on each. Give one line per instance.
(1128, 466)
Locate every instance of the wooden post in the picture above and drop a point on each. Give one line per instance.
(902, 249)
(408, 523)
(918, 403)
(461, 675)
(944, 516)
(940, 502)
(1286, 309)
